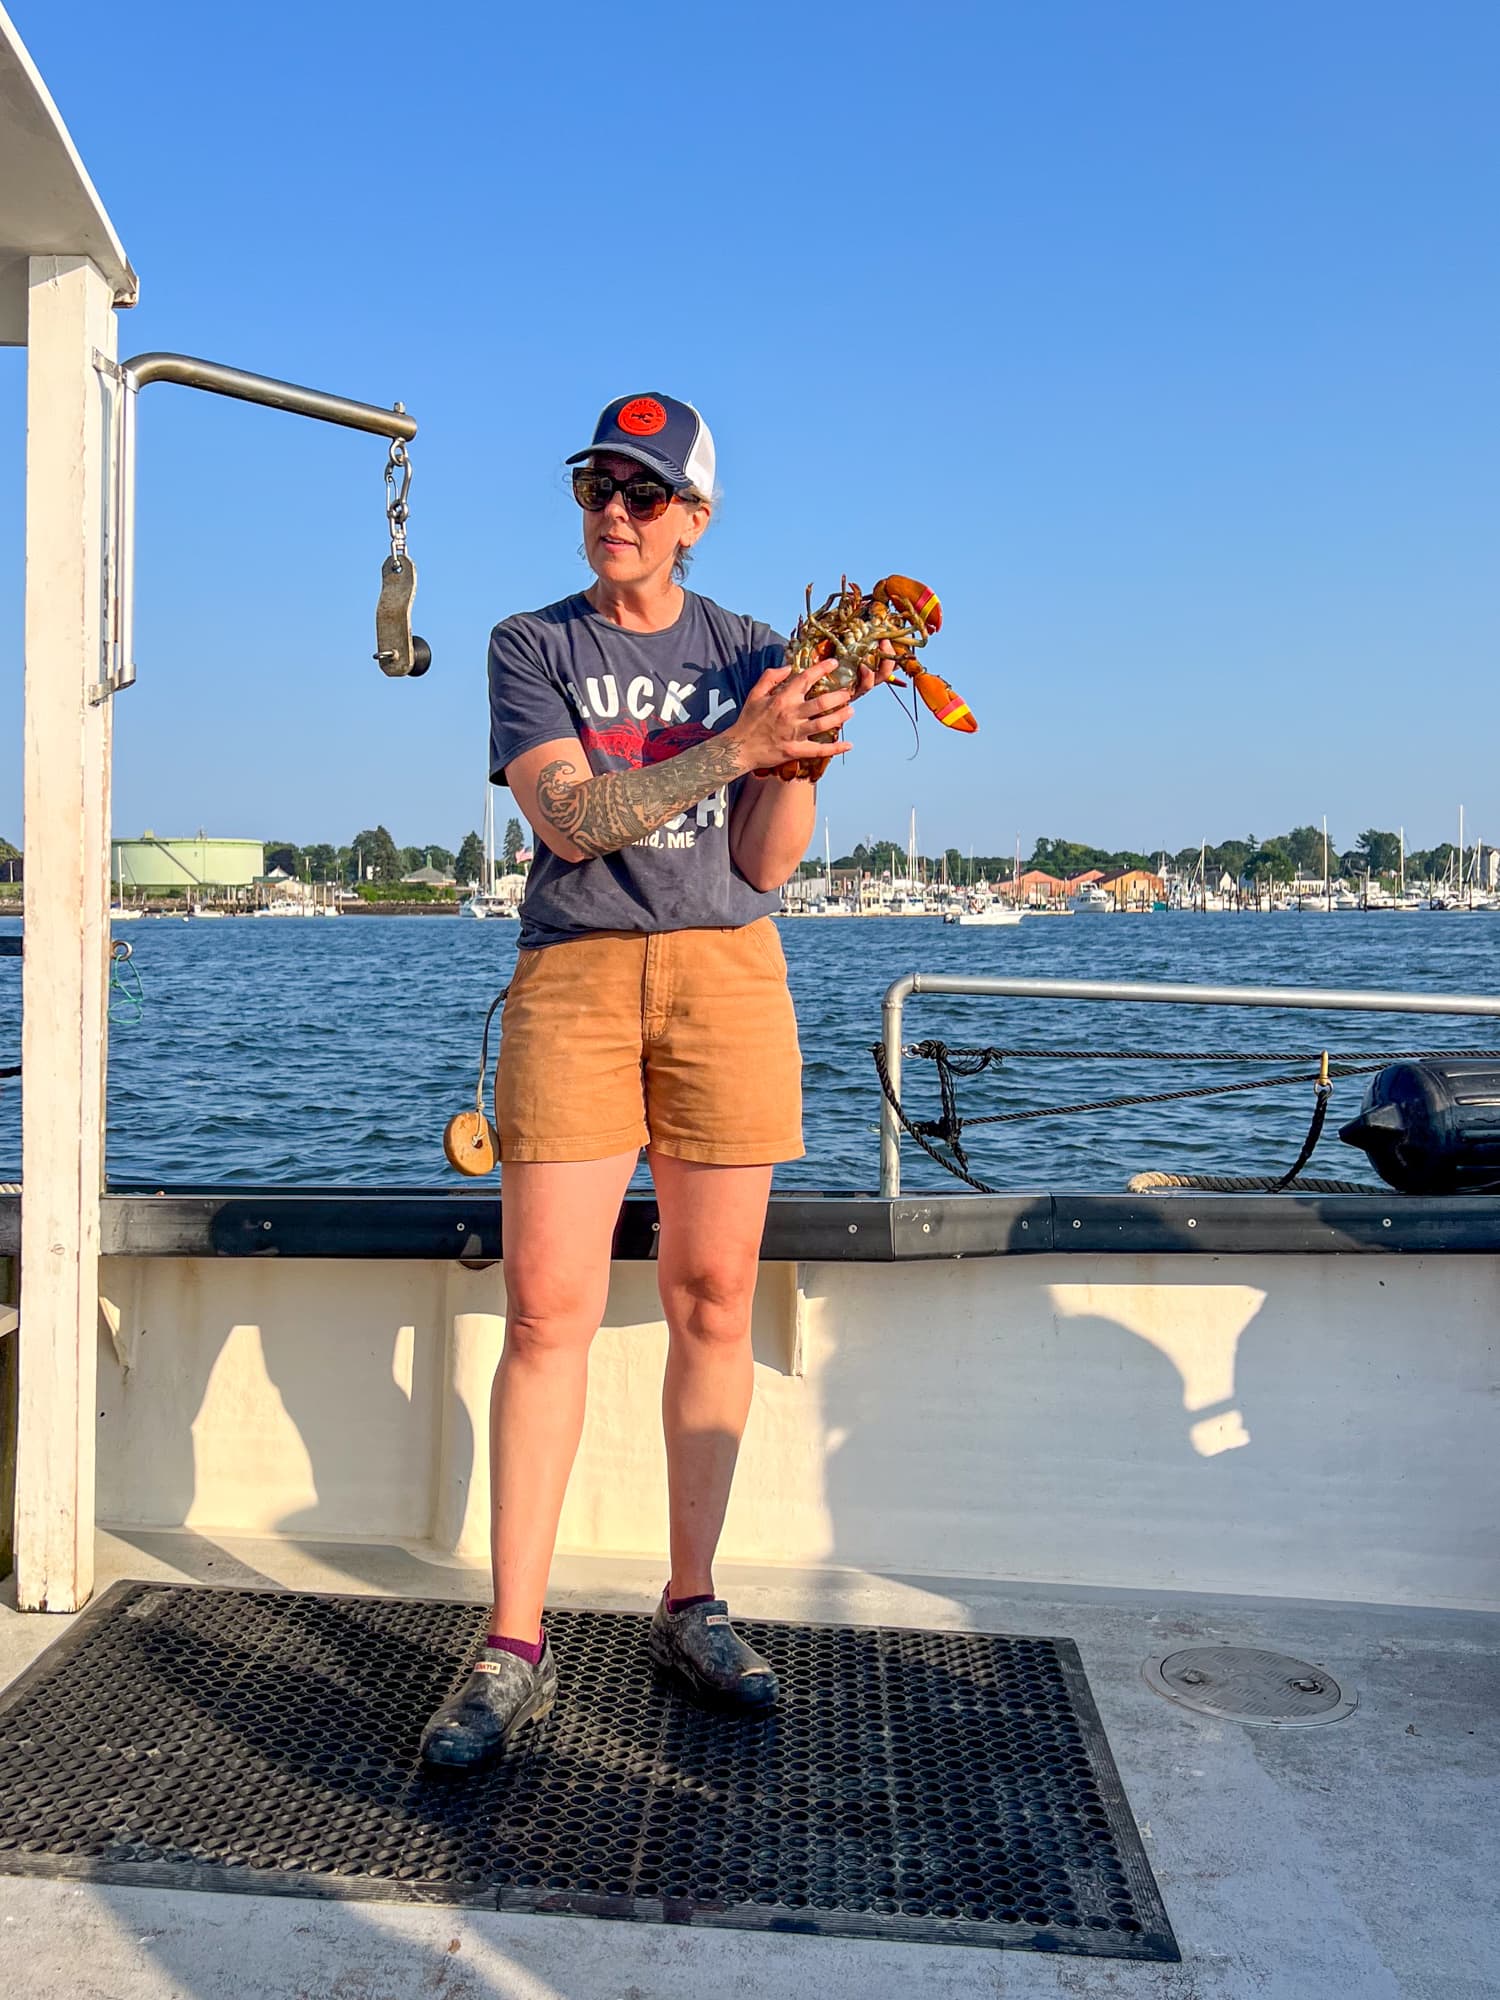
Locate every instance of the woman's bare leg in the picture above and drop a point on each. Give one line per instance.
(558, 1220)
(712, 1219)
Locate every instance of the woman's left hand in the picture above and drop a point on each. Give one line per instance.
(874, 676)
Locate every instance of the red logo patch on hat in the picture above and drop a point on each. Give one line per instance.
(642, 417)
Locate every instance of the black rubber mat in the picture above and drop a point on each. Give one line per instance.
(951, 1788)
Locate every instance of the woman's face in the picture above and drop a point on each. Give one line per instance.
(623, 551)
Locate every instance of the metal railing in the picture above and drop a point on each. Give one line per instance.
(1330, 999)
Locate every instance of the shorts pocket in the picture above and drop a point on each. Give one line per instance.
(767, 941)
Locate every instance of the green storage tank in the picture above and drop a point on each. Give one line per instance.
(200, 861)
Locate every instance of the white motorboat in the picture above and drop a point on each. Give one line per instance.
(984, 915)
(1091, 901)
(483, 904)
(308, 905)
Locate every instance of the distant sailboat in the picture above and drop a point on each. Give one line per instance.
(486, 900)
(119, 911)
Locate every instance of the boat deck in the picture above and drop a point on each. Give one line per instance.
(1342, 1862)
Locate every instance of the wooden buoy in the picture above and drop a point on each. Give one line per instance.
(471, 1143)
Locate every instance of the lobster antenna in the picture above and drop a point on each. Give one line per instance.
(911, 716)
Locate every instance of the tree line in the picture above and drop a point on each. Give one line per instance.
(373, 856)
(1280, 858)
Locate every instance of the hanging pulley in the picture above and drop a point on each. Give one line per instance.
(397, 649)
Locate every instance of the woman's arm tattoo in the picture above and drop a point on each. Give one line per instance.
(602, 814)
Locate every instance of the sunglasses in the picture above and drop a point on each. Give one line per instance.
(646, 499)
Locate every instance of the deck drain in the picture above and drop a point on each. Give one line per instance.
(1246, 1684)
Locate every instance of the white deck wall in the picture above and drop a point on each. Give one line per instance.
(1305, 1426)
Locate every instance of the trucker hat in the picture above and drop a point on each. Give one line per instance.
(669, 437)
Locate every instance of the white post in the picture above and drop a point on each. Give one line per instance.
(65, 970)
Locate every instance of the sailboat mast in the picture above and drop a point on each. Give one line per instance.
(1458, 880)
(1327, 885)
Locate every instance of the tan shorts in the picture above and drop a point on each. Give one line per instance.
(681, 1040)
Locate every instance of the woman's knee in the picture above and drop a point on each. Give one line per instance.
(548, 1335)
(712, 1301)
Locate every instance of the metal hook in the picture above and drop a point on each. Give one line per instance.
(397, 465)
(398, 652)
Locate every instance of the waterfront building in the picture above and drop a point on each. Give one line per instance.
(1135, 888)
(1037, 886)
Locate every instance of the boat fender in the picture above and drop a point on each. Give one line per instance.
(1432, 1127)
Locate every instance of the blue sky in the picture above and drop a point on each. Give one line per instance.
(1159, 339)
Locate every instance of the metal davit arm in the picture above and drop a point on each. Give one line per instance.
(194, 373)
(190, 371)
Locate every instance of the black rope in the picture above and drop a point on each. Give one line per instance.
(961, 1169)
(1357, 1057)
(1314, 1134)
(949, 1126)
(13, 1070)
(1147, 1097)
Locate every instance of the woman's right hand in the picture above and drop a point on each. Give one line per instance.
(780, 719)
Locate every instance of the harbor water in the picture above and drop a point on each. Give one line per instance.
(331, 1054)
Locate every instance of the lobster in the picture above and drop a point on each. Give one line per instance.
(848, 630)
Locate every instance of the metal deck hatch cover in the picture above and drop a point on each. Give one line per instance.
(1248, 1684)
(942, 1787)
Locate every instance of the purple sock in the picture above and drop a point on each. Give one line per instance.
(675, 1604)
(531, 1652)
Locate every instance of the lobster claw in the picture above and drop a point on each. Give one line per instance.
(946, 704)
(920, 603)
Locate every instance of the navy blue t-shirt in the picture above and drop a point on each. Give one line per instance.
(631, 699)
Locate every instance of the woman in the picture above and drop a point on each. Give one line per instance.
(649, 1007)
